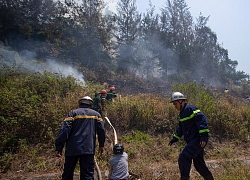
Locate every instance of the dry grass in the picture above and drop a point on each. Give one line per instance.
(144, 122)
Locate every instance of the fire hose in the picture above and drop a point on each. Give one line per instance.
(115, 135)
(116, 141)
(99, 176)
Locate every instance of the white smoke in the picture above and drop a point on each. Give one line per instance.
(27, 60)
(65, 70)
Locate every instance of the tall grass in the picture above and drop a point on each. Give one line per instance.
(33, 106)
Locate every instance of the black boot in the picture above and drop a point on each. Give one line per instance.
(184, 178)
(209, 177)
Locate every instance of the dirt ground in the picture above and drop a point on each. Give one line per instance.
(214, 166)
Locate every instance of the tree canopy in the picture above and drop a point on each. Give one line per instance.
(150, 45)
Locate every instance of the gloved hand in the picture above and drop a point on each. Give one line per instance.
(58, 154)
(172, 141)
(203, 141)
(204, 138)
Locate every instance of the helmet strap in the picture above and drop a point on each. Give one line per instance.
(181, 107)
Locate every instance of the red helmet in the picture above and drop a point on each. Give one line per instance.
(103, 91)
(112, 88)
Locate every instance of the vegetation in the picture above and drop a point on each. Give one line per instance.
(150, 45)
(47, 46)
(34, 105)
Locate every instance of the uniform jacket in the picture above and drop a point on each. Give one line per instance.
(97, 100)
(192, 124)
(103, 101)
(110, 95)
(79, 131)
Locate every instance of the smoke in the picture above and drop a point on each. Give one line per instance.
(27, 60)
(66, 70)
(148, 58)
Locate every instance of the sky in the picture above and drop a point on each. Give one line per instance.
(229, 20)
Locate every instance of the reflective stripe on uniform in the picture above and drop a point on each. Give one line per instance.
(203, 131)
(177, 137)
(82, 117)
(191, 116)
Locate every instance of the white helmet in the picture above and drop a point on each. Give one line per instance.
(177, 96)
(86, 100)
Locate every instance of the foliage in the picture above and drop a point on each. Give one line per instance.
(32, 102)
(169, 46)
(33, 106)
(151, 45)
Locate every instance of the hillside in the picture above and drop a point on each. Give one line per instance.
(33, 106)
(54, 52)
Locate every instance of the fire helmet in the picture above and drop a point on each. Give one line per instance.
(112, 88)
(177, 96)
(103, 91)
(118, 149)
(86, 100)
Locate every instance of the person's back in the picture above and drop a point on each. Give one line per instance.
(111, 94)
(78, 132)
(119, 163)
(82, 132)
(97, 103)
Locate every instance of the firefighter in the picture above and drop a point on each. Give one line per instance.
(119, 163)
(202, 82)
(78, 132)
(111, 94)
(193, 126)
(103, 102)
(97, 106)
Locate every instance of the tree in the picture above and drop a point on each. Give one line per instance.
(177, 23)
(148, 44)
(128, 20)
(205, 51)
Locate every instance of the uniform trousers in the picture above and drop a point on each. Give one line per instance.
(86, 167)
(193, 152)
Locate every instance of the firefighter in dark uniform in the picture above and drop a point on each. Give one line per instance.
(97, 106)
(111, 94)
(193, 126)
(78, 132)
(103, 103)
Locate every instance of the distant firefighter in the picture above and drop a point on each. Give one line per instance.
(103, 102)
(111, 94)
(97, 106)
(202, 82)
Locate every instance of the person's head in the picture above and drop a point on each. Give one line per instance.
(103, 92)
(85, 101)
(178, 100)
(112, 88)
(118, 149)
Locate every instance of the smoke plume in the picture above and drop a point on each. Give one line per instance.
(27, 60)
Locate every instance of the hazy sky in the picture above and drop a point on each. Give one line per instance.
(229, 19)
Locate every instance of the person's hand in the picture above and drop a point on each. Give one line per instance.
(58, 154)
(203, 144)
(101, 150)
(172, 141)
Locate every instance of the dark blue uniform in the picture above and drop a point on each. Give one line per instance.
(110, 95)
(78, 132)
(193, 126)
